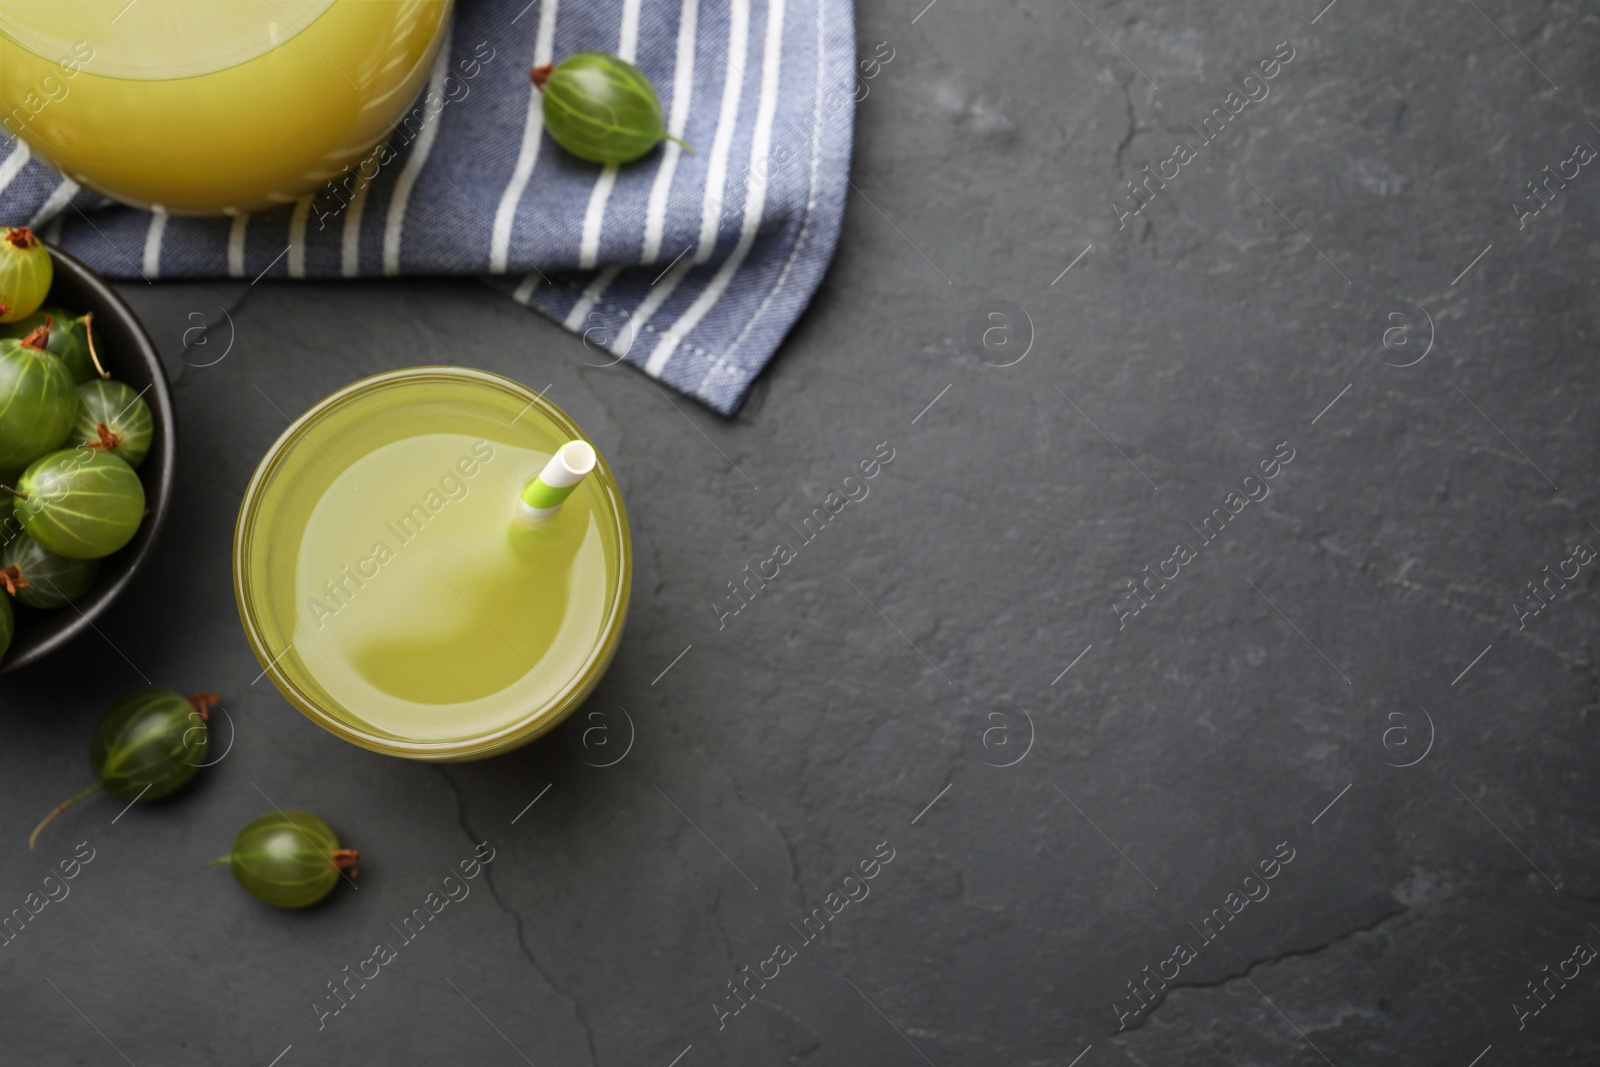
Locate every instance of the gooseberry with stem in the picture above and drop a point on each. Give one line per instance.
(601, 108)
(146, 745)
(25, 273)
(71, 340)
(289, 859)
(45, 580)
(37, 399)
(114, 418)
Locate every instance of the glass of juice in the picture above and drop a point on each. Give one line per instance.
(206, 106)
(386, 588)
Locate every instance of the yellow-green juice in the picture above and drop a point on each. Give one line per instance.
(386, 589)
(202, 106)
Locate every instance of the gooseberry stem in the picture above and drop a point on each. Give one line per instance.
(202, 703)
(39, 337)
(11, 579)
(541, 74)
(88, 334)
(220, 859)
(107, 440)
(680, 142)
(346, 857)
(57, 810)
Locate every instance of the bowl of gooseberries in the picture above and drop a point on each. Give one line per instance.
(87, 447)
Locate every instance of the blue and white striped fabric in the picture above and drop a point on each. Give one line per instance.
(691, 266)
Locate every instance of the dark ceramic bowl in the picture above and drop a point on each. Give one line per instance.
(130, 356)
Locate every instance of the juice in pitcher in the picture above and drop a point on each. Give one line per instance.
(204, 106)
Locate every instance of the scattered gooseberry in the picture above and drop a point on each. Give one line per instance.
(37, 401)
(25, 273)
(601, 108)
(114, 418)
(145, 746)
(81, 503)
(288, 859)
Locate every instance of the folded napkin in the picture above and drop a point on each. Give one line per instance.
(691, 266)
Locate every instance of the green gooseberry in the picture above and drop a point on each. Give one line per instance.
(37, 400)
(601, 108)
(25, 273)
(289, 859)
(44, 579)
(146, 745)
(8, 625)
(113, 418)
(10, 528)
(81, 503)
(71, 340)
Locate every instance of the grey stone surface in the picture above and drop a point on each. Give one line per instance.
(1262, 697)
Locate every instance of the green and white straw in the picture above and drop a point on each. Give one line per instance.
(542, 498)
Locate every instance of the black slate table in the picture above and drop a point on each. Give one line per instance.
(1152, 757)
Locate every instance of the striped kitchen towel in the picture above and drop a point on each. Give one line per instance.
(691, 266)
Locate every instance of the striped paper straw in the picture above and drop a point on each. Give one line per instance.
(543, 497)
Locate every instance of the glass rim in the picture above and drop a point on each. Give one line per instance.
(545, 715)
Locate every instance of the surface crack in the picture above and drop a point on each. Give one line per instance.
(1133, 125)
(1249, 968)
(516, 917)
(176, 373)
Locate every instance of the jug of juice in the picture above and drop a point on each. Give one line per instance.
(200, 106)
(390, 587)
